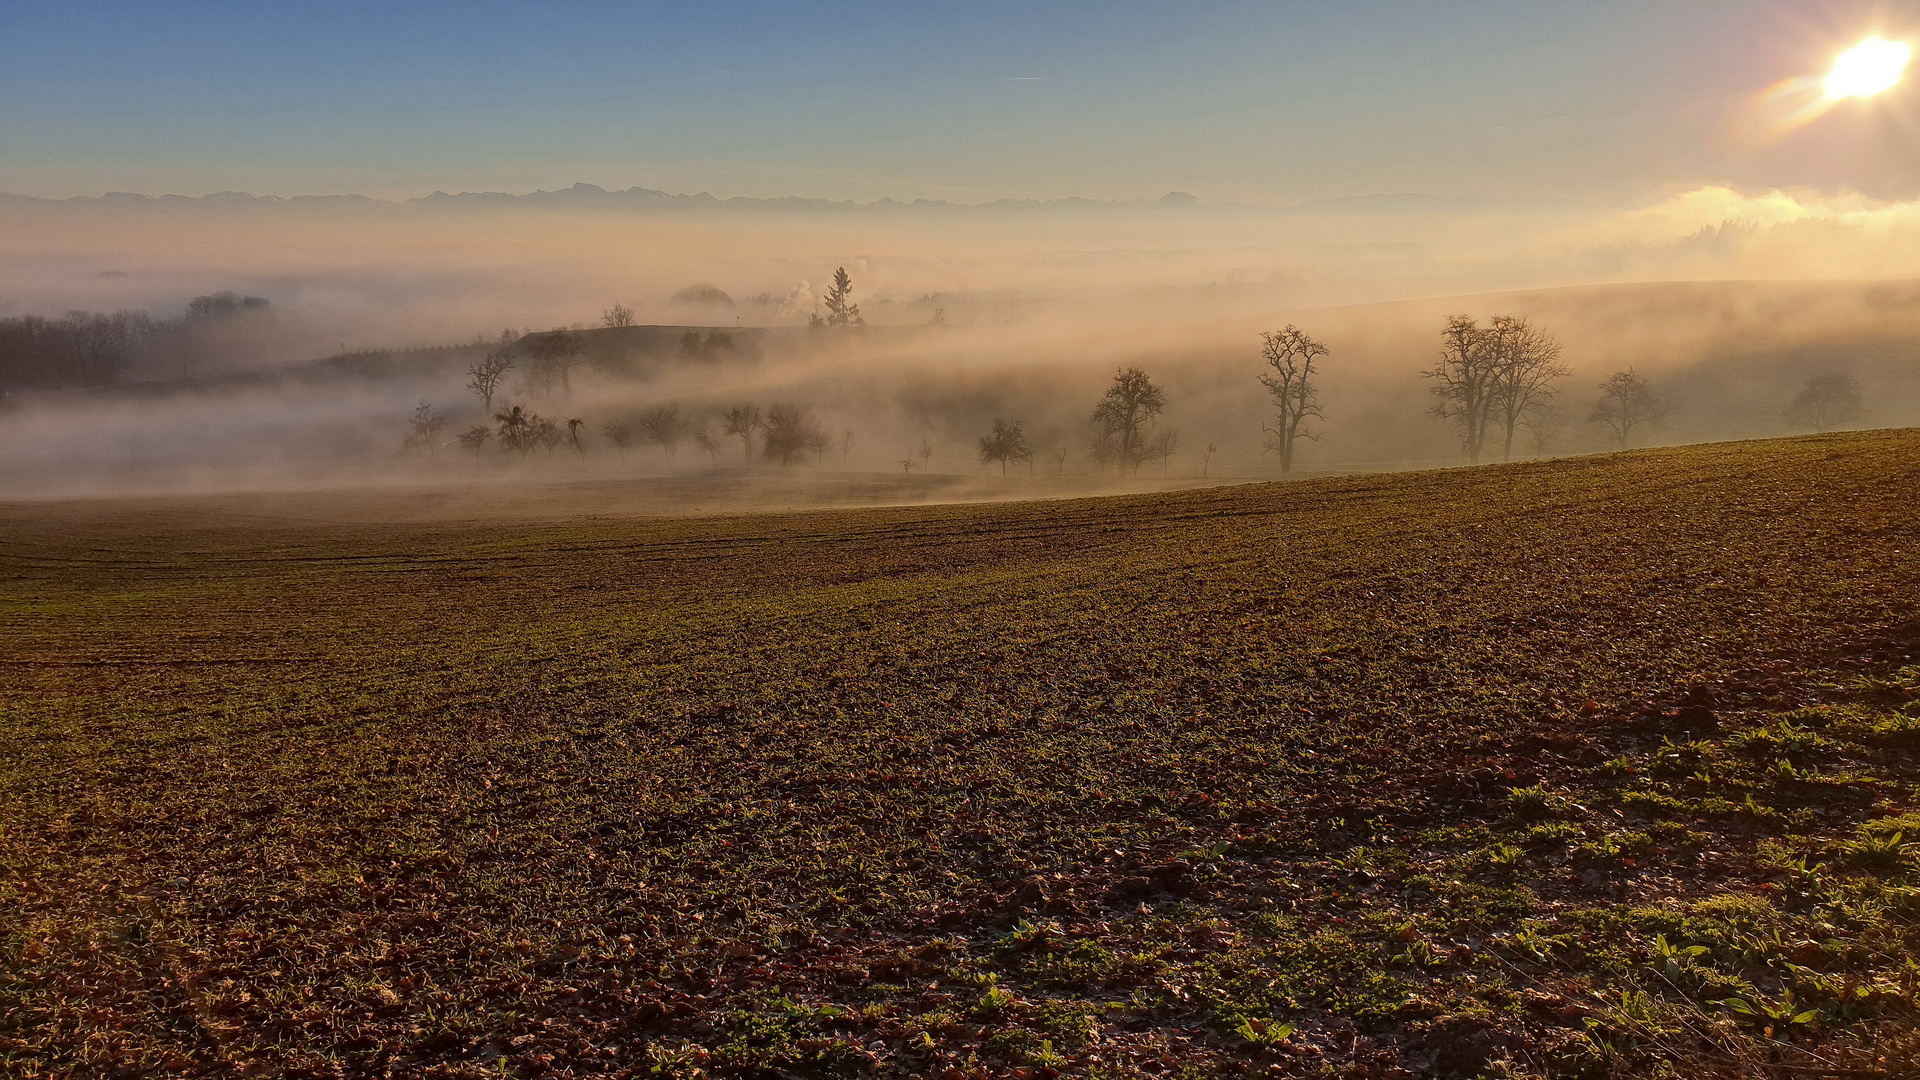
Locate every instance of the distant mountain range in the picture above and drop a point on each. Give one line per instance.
(591, 196)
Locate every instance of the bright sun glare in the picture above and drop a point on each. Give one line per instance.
(1868, 68)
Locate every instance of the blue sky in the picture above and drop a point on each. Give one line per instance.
(1262, 102)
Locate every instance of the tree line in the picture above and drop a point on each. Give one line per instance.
(1124, 430)
(783, 433)
(88, 348)
(1492, 383)
(1497, 381)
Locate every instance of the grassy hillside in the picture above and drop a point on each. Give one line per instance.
(1349, 776)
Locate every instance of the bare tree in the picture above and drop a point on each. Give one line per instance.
(424, 432)
(906, 463)
(1102, 448)
(1060, 456)
(1626, 402)
(1290, 353)
(555, 354)
(1008, 443)
(1206, 459)
(708, 444)
(474, 438)
(791, 433)
(1543, 423)
(619, 315)
(744, 421)
(102, 344)
(573, 436)
(664, 426)
(1465, 376)
(484, 376)
(845, 446)
(82, 349)
(841, 311)
(1160, 448)
(1125, 417)
(620, 433)
(1491, 380)
(926, 454)
(1826, 402)
(1526, 364)
(545, 434)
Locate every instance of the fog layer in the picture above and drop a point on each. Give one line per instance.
(1727, 304)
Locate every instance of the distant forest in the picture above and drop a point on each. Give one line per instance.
(84, 348)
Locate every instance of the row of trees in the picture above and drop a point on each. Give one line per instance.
(551, 358)
(787, 433)
(550, 363)
(86, 348)
(1490, 382)
(1495, 380)
(840, 310)
(1124, 430)
(783, 433)
(519, 430)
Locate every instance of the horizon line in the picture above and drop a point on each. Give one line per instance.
(581, 193)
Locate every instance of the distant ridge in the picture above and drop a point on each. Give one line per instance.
(593, 196)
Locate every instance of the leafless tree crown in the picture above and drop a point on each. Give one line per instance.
(1526, 365)
(1626, 402)
(1291, 355)
(664, 427)
(744, 421)
(484, 376)
(555, 354)
(1007, 443)
(791, 434)
(1491, 379)
(1827, 401)
(1124, 421)
(424, 432)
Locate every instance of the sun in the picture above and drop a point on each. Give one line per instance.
(1868, 68)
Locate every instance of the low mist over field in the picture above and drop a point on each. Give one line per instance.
(1041, 540)
(322, 324)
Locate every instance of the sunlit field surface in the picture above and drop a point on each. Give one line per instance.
(1565, 767)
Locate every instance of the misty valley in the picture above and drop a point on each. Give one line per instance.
(1122, 541)
(125, 402)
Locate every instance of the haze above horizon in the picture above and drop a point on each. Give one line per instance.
(1234, 102)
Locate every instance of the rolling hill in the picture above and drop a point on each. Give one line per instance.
(1571, 766)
